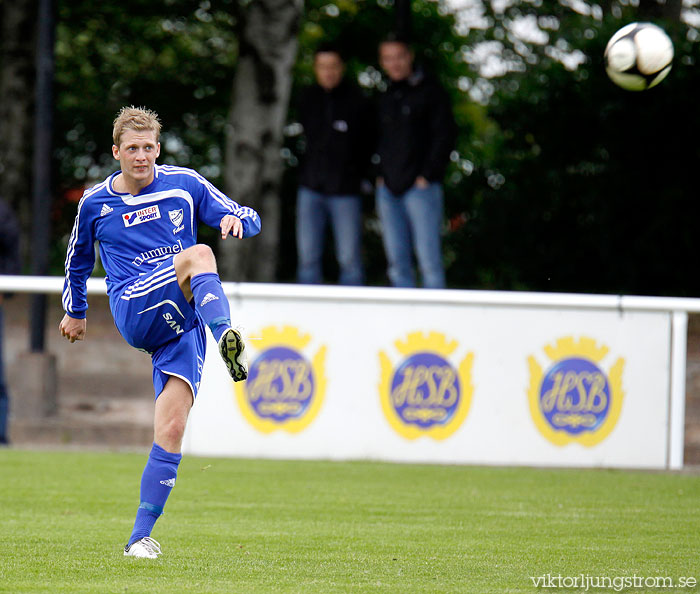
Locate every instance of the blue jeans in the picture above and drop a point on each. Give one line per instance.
(411, 223)
(345, 214)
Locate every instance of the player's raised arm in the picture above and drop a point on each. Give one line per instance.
(217, 210)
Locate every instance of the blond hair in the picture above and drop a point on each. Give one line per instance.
(135, 118)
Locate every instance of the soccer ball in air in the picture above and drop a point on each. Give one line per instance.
(638, 56)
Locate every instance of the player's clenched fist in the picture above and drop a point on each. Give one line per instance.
(72, 328)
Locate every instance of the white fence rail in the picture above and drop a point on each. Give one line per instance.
(54, 284)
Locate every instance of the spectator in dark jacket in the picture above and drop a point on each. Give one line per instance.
(9, 264)
(338, 128)
(416, 135)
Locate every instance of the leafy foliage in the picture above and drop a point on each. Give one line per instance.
(177, 57)
(560, 181)
(585, 189)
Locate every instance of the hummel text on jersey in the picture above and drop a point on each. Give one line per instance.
(150, 213)
(159, 253)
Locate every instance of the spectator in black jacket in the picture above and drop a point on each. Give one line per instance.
(9, 264)
(416, 135)
(338, 126)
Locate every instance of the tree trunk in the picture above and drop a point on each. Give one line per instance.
(17, 78)
(261, 88)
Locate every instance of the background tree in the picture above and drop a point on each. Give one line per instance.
(267, 38)
(17, 73)
(584, 189)
(560, 181)
(177, 58)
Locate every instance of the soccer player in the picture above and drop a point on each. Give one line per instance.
(162, 285)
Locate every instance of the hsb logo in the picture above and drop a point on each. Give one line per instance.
(425, 395)
(425, 388)
(281, 383)
(575, 399)
(284, 389)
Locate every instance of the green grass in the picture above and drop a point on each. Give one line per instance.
(280, 526)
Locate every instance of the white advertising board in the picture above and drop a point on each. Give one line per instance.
(414, 377)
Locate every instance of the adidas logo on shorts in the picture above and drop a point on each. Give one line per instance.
(207, 298)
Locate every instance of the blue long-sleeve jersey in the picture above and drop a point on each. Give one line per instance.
(135, 233)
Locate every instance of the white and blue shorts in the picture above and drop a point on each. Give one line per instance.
(152, 315)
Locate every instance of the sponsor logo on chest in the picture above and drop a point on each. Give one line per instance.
(150, 213)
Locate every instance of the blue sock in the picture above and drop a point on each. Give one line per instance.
(157, 481)
(210, 302)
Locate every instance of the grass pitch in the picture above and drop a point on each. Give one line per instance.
(269, 526)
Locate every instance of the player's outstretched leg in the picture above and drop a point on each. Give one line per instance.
(211, 303)
(198, 279)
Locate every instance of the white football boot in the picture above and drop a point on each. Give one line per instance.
(146, 548)
(232, 351)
